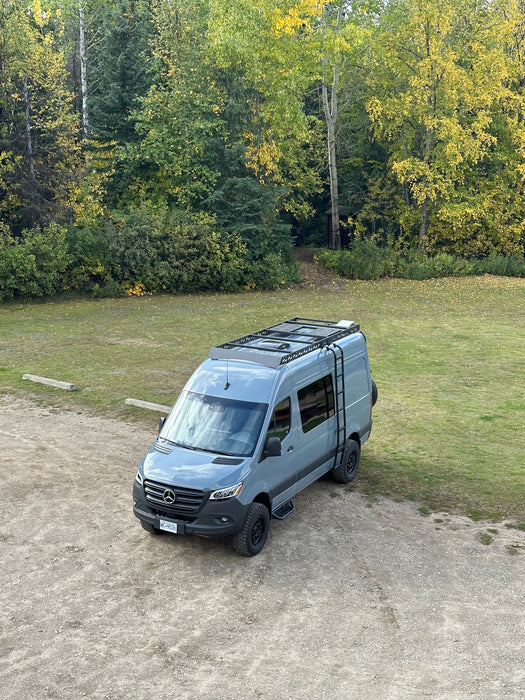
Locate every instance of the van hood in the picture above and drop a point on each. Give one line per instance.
(178, 466)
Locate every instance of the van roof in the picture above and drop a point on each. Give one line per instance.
(277, 345)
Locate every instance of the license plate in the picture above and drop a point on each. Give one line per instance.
(168, 526)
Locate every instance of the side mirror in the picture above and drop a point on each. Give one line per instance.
(273, 447)
(161, 422)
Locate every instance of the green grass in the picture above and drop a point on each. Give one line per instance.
(447, 356)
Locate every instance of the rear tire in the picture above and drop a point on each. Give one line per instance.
(252, 537)
(150, 528)
(374, 393)
(346, 470)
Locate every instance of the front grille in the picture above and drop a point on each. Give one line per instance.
(173, 499)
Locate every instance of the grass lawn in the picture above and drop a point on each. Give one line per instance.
(448, 357)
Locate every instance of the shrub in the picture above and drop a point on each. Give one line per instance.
(33, 265)
(153, 249)
(270, 272)
(173, 251)
(364, 259)
(502, 265)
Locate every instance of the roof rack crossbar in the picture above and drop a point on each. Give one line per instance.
(282, 339)
(313, 321)
(284, 333)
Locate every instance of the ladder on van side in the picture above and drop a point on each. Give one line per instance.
(339, 399)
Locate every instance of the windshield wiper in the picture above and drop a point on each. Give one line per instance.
(200, 449)
(187, 447)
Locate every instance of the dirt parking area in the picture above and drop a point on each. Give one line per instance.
(349, 598)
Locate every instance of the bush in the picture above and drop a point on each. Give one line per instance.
(142, 250)
(33, 265)
(271, 272)
(149, 249)
(499, 265)
(179, 252)
(173, 251)
(364, 259)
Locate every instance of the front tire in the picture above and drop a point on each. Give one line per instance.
(252, 537)
(346, 470)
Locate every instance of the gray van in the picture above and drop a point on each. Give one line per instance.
(262, 418)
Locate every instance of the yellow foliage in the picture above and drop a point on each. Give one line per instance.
(137, 290)
(298, 18)
(263, 157)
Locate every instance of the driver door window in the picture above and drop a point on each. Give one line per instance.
(280, 421)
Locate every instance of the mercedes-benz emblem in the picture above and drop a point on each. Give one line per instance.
(168, 496)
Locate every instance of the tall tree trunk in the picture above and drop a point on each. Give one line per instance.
(83, 66)
(329, 93)
(330, 112)
(30, 154)
(423, 224)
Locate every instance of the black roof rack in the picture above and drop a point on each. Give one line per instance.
(284, 342)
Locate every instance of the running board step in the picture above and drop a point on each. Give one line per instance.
(284, 511)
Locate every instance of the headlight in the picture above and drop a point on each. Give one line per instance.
(228, 492)
(139, 479)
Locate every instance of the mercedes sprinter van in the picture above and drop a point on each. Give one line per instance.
(263, 417)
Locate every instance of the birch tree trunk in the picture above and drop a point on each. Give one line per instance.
(30, 153)
(329, 94)
(83, 67)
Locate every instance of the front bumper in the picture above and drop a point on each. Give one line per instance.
(214, 519)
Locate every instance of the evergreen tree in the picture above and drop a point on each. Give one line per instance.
(39, 129)
(121, 72)
(179, 120)
(120, 77)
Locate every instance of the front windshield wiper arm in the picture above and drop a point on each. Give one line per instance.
(213, 452)
(178, 444)
(187, 447)
(198, 449)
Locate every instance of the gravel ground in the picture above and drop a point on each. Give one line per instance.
(349, 598)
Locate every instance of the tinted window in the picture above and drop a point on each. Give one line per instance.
(280, 420)
(316, 402)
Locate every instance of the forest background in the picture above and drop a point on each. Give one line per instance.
(179, 145)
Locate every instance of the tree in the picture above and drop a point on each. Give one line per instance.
(288, 49)
(437, 83)
(262, 45)
(339, 40)
(39, 128)
(120, 77)
(178, 121)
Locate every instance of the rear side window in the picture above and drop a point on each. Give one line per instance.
(316, 402)
(280, 420)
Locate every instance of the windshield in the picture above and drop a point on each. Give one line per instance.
(215, 424)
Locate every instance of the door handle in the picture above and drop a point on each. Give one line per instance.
(290, 448)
